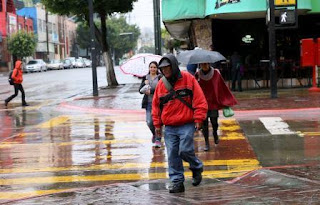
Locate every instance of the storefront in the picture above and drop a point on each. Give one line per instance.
(240, 25)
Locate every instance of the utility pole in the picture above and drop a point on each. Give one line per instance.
(272, 51)
(93, 50)
(157, 26)
(47, 34)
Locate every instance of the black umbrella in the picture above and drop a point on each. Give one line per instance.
(199, 56)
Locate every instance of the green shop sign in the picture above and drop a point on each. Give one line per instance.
(239, 6)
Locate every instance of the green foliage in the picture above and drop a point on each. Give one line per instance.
(83, 36)
(169, 42)
(22, 44)
(122, 36)
(80, 7)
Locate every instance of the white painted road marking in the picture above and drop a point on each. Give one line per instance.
(276, 126)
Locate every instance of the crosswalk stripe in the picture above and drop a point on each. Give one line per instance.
(119, 177)
(237, 162)
(54, 122)
(276, 126)
(24, 194)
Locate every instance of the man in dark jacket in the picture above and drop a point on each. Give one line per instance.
(180, 105)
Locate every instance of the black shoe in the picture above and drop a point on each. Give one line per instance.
(176, 188)
(25, 104)
(207, 147)
(5, 103)
(216, 138)
(196, 176)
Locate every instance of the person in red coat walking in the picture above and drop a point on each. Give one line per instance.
(217, 95)
(17, 79)
(180, 105)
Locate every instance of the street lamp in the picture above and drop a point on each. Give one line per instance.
(93, 50)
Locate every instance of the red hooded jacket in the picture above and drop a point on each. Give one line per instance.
(174, 112)
(17, 73)
(218, 95)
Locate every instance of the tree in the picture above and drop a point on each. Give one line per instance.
(123, 37)
(104, 8)
(169, 42)
(22, 44)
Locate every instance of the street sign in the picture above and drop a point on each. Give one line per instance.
(287, 17)
(285, 2)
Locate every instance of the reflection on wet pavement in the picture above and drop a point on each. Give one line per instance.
(72, 151)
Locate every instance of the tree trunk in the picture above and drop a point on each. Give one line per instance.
(111, 77)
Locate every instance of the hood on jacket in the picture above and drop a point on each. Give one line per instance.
(18, 65)
(171, 59)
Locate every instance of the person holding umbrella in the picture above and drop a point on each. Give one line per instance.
(217, 95)
(214, 88)
(147, 87)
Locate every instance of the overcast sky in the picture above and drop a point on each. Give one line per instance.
(142, 14)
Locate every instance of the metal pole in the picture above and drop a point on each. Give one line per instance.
(93, 50)
(157, 26)
(272, 51)
(47, 34)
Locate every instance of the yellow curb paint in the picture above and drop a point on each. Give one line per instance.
(54, 122)
(118, 177)
(238, 162)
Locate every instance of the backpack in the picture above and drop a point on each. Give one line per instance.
(10, 79)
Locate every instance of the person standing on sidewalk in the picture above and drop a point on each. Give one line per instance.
(147, 87)
(236, 64)
(180, 105)
(217, 95)
(17, 80)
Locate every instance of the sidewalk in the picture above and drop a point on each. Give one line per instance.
(259, 99)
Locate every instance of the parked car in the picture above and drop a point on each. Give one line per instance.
(80, 63)
(36, 65)
(73, 61)
(67, 64)
(55, 65)
(87, 62)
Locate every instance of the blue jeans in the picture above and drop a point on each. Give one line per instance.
(180, 146)
(149, 118)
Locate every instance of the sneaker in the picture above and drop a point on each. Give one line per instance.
(157, 143)
(5, 103)
(196, 176)
(176, 188)
(25, 104)
(206, 148)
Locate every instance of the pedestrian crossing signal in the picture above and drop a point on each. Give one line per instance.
(285, 2)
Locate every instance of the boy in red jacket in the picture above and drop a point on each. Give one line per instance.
(17, 79)
(180, 105)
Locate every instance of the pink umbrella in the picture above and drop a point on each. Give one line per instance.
(138, 65)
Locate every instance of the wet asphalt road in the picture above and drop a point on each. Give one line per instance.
(67, 140)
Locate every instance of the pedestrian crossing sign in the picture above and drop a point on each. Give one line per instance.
(285, 2)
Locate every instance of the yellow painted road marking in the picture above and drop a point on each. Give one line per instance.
(19, 195)
(54, 122)
(88, 142)
(237, 162)
(119, 177)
